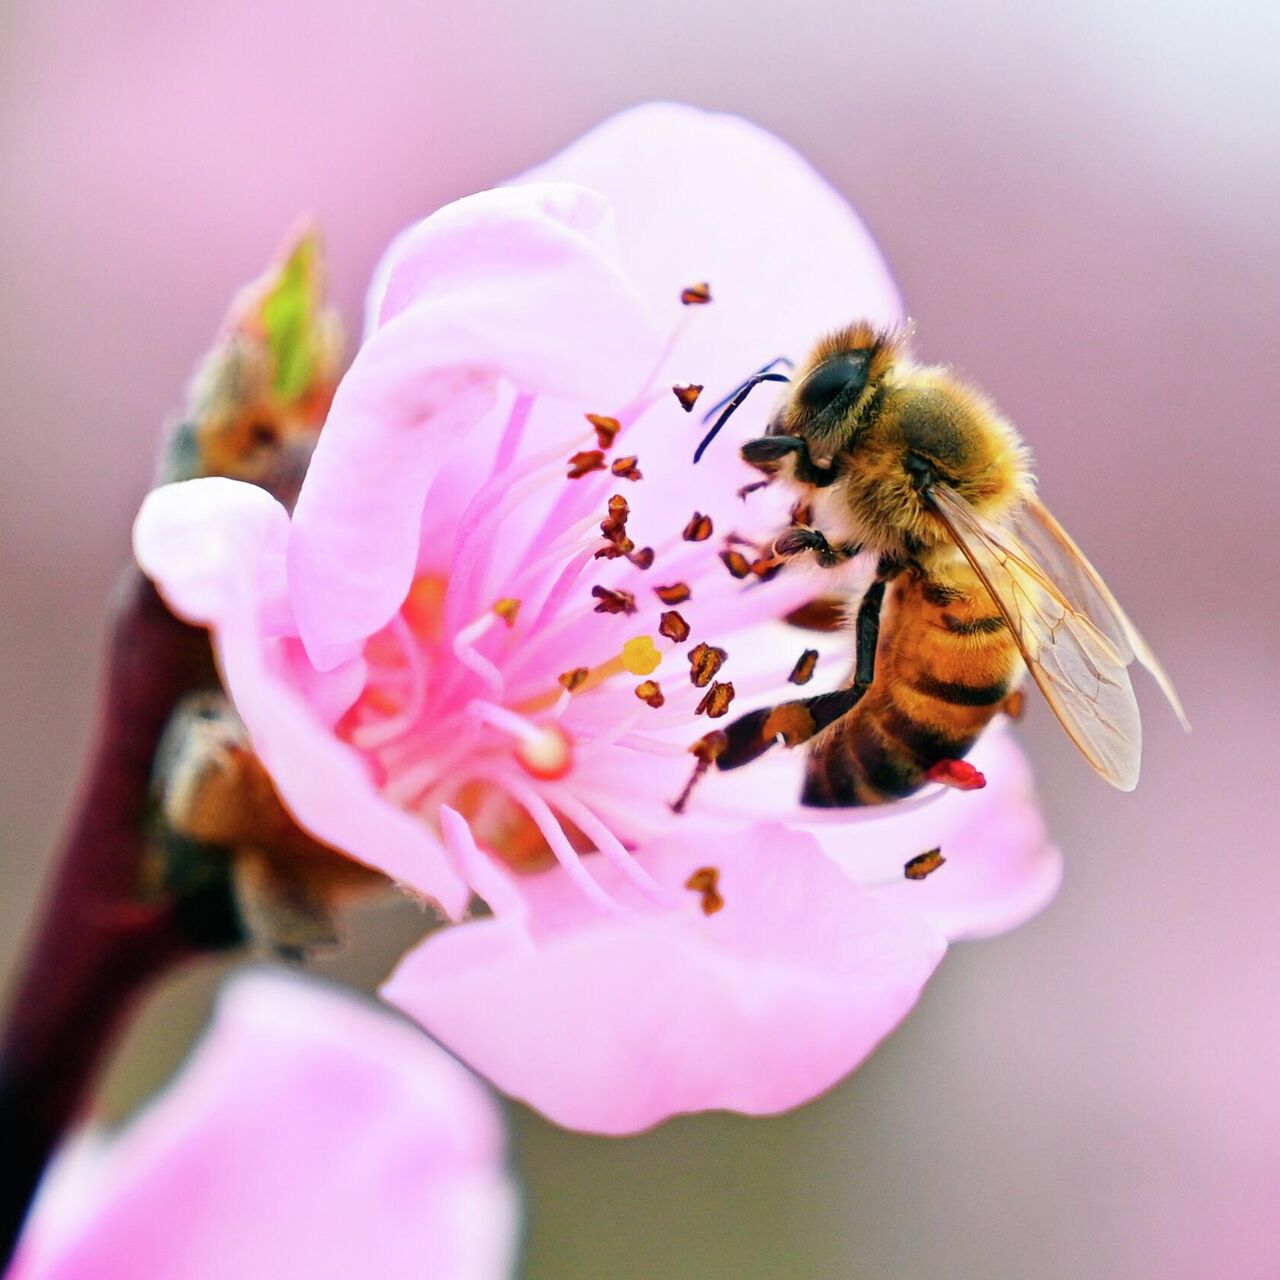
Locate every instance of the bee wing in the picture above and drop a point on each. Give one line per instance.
(1081, 672)
(1082, 584)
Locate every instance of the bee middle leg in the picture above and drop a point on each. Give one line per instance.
(800, 538)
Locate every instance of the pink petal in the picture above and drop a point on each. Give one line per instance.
(309, 1136)
(518, 284)
(614, 1023)
(211, 545)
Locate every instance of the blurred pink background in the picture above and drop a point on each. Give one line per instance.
(1081, 204)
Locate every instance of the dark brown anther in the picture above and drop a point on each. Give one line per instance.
(673, 626)
(687, 393)
(801, 513)
(606, 428)
(614, 528)
(736, 563)
(1015, 705)
(706, 881)
(649, 691)
(674, 593)
(751, 488)
(584, 462)
(715, 702)
(698, 529)
(642, 559)
(611, 601)
(626, 468)
(767, 567)
(825, 613)
(574, 679)
(802, 672)
(704, 662)
(923, 865)
(696, 295)
(507, 608)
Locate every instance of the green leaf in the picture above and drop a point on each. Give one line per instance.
(289, 315)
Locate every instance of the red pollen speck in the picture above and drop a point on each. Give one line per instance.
(959, 774)
(548, 755)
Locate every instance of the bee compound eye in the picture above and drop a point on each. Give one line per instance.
(841, 377)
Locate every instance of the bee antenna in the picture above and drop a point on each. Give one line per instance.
(734, 402)
(764, 368)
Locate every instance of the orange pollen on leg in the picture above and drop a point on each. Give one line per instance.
(959, 774)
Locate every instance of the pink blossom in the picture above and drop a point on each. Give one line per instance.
(308, 1136)
(397, 648)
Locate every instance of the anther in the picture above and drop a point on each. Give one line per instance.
(611, 601)
(584, 462)
(507, 609)
(698, 529)
(706, 882)
(687, 393)
(575, 679)
(626, 468)
(649, 691)
(672, 625)
(737, 564)
(923, 865)
(674, 593)
(826, 613)
(959, 774)
(802, 672)
(715, 702)
(704, 662)
(606, 428)
(642, 559)
(696, 295)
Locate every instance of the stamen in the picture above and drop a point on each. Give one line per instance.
(737, 564)
(826, 613)
(626, 469)
(715, 702)
(553, 833)
(614, 528)
(464, 650)
(698, 529)
(575, 679)
(507, 608)
(696, 295)
(606, 428)
(650, 692)
(370, 737)
(609, 846)
(706, 881)
(923, 865)
(959, 774)
(802, 672)
(672, 625)
(611, 601)
(644, 558)
(707, 750)
(584, 462)
(687, 393)
(512, 433)
(704, 661)
(675, 593)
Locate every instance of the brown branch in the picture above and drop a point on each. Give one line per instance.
(102, 939)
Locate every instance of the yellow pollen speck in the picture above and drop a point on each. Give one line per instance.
(506, 609)
(640, 656)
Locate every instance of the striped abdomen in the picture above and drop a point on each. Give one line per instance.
(944, 663)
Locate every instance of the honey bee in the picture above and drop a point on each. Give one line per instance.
(976, 583)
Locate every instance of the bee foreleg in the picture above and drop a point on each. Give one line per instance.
(866, 630)
(768, 453)
(800, 538)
